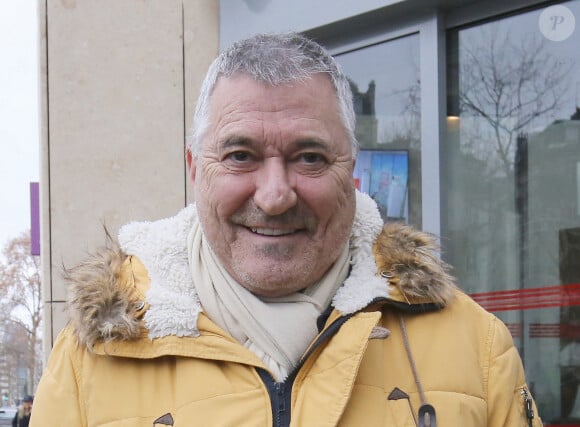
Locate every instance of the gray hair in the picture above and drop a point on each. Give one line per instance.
(274, 59)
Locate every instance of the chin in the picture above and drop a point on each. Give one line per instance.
(265, 287)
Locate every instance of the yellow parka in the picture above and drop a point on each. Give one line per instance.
(426, 347)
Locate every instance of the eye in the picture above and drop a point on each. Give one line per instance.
(312, 158)
(310, 163)
(240, 160)
(240, 156)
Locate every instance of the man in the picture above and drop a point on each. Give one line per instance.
(262, 304)
(22, 417)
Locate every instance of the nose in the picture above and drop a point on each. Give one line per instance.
(275, 193)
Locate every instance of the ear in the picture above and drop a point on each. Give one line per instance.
(191, 165)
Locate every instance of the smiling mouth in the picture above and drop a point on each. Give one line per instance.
(271, 231)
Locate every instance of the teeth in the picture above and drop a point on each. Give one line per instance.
(271, 231)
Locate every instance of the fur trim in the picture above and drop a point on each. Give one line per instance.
(102, 307)
(99, 306)
(409, 260)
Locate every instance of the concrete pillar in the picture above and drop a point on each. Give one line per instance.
(119, 79)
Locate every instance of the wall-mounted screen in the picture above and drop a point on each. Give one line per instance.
(383, 175)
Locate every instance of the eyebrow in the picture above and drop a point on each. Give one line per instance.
(301, 144)
(235, 141)
(312, 143)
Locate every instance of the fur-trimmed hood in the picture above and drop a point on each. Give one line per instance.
(104, 303)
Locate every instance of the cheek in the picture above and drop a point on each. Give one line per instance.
(332, 198)
(222, 193)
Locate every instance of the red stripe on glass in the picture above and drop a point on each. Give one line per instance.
(527, 299)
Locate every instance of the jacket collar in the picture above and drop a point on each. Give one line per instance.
(405, 272)
(174, 304)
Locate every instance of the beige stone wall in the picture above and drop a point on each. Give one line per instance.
(119, 79)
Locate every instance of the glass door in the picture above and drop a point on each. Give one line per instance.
(511, 188)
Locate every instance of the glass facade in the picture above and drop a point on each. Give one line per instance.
(510, 171)
(387, 96)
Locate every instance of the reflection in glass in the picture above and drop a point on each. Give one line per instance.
(386, 90)
(384, 176)
(511, 193)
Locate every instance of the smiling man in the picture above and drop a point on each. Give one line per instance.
(279, 298)
(273, 182)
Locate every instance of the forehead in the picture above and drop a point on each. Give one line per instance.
(245, 84)
(242, 104)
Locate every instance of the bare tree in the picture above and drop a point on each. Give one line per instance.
(513, 84)
(405, 127)
(21, 306)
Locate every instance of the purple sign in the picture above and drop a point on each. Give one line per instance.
(34, 219)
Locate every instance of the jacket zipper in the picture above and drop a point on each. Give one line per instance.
(281, 393)
(528, 406)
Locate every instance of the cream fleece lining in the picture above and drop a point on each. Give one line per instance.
(174, 303)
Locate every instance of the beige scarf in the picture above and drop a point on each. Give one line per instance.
(277, 330)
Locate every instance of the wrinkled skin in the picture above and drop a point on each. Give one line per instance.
(273, 182)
